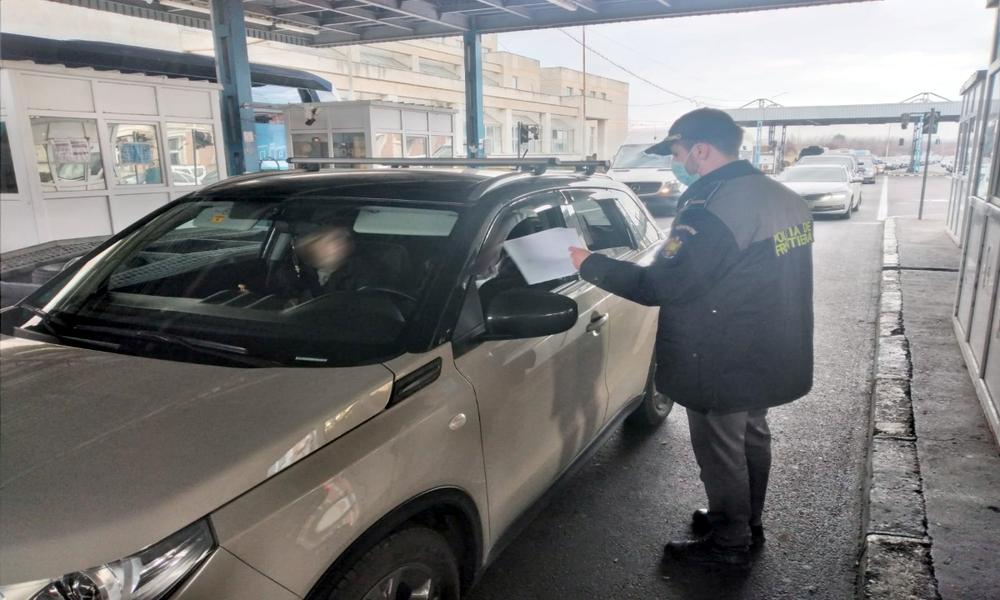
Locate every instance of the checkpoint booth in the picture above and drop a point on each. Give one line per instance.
(86, 153)
(973, 98)
(370, 129)
(976, 315)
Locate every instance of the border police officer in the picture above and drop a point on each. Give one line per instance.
(734, 287)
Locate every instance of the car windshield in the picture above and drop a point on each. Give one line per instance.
(823, 174)
(632, 156)
(257, 282)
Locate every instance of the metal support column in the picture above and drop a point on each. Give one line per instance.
(475, 128)
(233, 71)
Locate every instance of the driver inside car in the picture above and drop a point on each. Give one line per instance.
(324, 260)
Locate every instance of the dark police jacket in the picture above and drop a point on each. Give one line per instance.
(734, 287)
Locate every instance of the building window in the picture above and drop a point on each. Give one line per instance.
(442, 146)
(193, 158)
(569, 90)
(383, 58)
(562, 137)
(604, 95)
(593, 94)
(68, 154)
(439, 69)
(515, 83)
(989, 139)
(494, 140)
(388, 145)
(8, 181)
(137, 155)
(491, 79)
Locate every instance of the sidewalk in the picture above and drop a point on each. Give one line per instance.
(958, 463)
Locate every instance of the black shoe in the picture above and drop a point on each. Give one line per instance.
(705, 550)
(701, 524)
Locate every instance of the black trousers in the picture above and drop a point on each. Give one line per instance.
(734, 454)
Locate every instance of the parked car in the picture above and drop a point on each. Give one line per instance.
(844, 160)
(826, 188)
(649, 176)
(188, 413)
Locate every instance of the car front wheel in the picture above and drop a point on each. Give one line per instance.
(653, 409)
(413, 564)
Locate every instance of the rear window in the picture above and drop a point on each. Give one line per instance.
(822, 174)
(317, 282)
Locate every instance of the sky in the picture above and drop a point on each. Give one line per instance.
(880, 51)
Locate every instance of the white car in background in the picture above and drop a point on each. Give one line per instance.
(827, 189)
(649, 176)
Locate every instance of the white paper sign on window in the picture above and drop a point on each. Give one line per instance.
(71, 150)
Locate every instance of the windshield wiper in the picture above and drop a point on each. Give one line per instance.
(228, 352)
(47, 319)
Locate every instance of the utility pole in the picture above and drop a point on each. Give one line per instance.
(931, 126)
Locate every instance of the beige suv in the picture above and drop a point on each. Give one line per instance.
(327, 384)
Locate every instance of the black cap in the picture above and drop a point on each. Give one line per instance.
(708, 125)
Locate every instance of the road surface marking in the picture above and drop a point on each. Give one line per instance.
(883, 203)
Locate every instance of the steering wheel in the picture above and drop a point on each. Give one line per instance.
(387, 290)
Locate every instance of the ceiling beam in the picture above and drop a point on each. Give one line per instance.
(357, 12)
(502, 5)
(423, 10)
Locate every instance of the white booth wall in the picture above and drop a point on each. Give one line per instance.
(92, 151)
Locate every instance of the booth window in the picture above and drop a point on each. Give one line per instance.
(193, 158)
(562, 137)
(68, 154)
(8, 181)
(441, 146)
(349, 145)
(310, 145)
(137, 156)
(989, 139)
(388, 145)
(416, 146)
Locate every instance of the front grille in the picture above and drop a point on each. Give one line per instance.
(645, 187)
(813, 197)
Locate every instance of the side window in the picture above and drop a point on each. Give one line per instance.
(494, 269)
(601, 221)
(644, 229)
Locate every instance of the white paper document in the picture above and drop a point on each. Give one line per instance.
(544, 256)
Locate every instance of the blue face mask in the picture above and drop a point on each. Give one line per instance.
(682, 174)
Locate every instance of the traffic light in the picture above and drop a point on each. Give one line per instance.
(526, 133)
(905, 122)
(931, 126)
(902, 141)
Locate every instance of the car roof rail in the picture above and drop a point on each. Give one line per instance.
(536, 165)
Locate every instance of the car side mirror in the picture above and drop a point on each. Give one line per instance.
(527, 313)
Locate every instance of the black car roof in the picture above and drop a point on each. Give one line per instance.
(437, 185)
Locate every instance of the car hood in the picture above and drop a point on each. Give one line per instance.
(807, 188)
(103, 454)
(631, 175)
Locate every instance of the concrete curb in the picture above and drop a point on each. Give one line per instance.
(895, 558)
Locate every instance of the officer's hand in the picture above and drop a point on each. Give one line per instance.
(578, 255)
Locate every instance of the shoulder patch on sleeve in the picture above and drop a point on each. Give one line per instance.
(672, 247)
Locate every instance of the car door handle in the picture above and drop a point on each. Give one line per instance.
(597, 322)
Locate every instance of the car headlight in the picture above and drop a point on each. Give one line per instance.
(669, 187)
(835, 196)
(146, 575)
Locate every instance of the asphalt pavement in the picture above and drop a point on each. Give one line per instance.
(602, 533)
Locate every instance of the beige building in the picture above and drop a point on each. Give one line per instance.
(516, 88)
